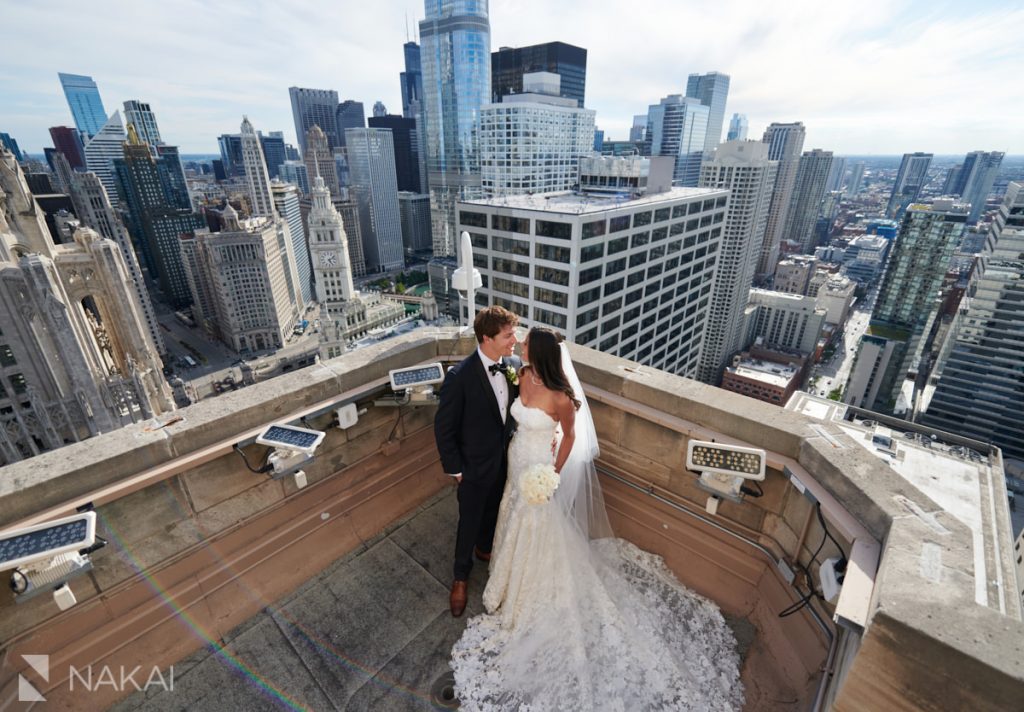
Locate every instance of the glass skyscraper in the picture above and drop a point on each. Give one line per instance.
(412, 79)
(314, 107)
(712, 89)
(84, 100)
(455, 48)
(912, 176)
(678, 127)
(509, 64)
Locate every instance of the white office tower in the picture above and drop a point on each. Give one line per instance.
(980, 392)
(712, 90)
(103, 148)
(455, 52)
(141, 116)
(76, 359)
(256, 172)
(629, 273)
(738, 127)
(320, 160)
(784, 322)
(532, 142)
(239, 281)
(345, 314)
(288, 207)
(678, 127)
(371, 159)
(92, 205)
(912, 176)
(743, 168)
(785, 142)
(805, 205)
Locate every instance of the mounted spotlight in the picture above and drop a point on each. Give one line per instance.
(415, 385)
(723, 468)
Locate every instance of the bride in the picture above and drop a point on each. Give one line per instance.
(577, 619)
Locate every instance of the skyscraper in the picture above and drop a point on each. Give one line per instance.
(738, 128)
(912, 176)
(540, 154)
(785, 142)
(69, 142)
(980, 392)
(977, 176)
(295, 172)
(314, 107)
(678, 127)
(906, 305)
(372, 163)
(286, 202)
(835, 175)
(348, 115)
(256, 172)
(7, 140)
(103, 149)
(141, 116)
(712, 90)
(231, 154)
(156, 217)
(743, 168)
(805, 205)
(273, 151)
(379, 109)
(411, 80)
(407, 158)
(509, 64)
(455, 44)
(415, 213)
(856, 178)
(84, 100)
(319, 160)
(636, 131)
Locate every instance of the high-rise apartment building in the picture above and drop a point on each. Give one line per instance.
(743, 168)
(69, 142)
(738, 127)
(156, 216)
(314, 107)
(509, 64)
(415, 212)
(834, 184)
(805, 205)
(678, 127)
(912, 176)
(411, 80)
(712, 90)
(783, 321)
(319, 159)
(532, 142)
(287, 204)
(977, 176)
(455, 45)
(85, 103)
(371, 154)
(628, 276)
(77, 359)
(141, 116)
(906, 305)
(855, 179)
(785, 142)
(250, 305)
(980, 392)
(103, 149)
(407, 158)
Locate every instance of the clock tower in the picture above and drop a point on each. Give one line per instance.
(328, 247)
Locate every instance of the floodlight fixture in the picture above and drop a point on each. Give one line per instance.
(723, 468)
(406, 378)
(282, 436)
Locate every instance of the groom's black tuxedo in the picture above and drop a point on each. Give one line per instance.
(473, 440)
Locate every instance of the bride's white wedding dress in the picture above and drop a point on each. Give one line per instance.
(578, 624)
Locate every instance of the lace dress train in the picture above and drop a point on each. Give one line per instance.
(573, 624)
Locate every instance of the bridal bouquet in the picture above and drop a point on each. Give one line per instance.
(538, 483)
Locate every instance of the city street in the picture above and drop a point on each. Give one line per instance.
(833, 374)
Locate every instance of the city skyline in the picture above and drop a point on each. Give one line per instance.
(877, 66)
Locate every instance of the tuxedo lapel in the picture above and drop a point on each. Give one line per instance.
(485, 383)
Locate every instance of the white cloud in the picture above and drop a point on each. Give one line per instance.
(874, 76)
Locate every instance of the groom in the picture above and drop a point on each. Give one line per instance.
(472, 428)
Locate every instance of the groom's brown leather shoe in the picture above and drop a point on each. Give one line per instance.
(482, 555)
(457, 598)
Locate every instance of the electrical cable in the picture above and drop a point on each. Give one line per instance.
(267, 467)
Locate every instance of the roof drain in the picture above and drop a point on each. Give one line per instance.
(442, 692)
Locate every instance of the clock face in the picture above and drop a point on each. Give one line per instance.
(328, 259)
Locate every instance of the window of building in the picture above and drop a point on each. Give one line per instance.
(474, 219)
(617, 245)
(662, 214)
(613, 286)
(549, 228)
(589, 275)
(510, 224)
(545, 316)
(588, 296)
(643, 218)
(514, 307)
(587, 317)
(552, 275)
(7, 356)
(592, 252)
(517, 289)
(511, 267)
(639, 239)
(549, 296)
(553, 253)
(477, 240)
(619, 223)
(593, 229)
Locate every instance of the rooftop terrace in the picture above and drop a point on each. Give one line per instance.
(262, 595)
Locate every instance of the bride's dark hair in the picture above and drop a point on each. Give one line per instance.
(546, 361)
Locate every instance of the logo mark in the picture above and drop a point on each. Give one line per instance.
(26, 690)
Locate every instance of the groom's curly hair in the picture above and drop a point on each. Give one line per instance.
(546, 361)
(490, 322)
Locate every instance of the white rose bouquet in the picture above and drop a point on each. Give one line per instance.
(538, 483)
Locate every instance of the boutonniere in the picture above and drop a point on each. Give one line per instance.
(510, 374)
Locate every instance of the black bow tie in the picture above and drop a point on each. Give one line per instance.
(495, 368)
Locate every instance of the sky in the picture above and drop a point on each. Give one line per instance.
(870, 77)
